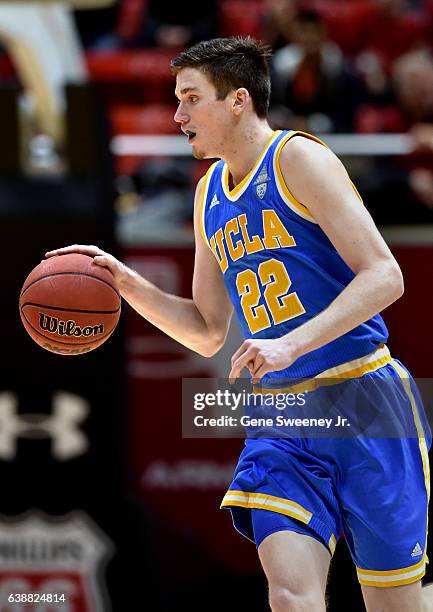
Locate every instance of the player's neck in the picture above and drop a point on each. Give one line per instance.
(245, 149)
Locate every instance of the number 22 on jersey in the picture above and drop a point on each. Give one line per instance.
(270, 284)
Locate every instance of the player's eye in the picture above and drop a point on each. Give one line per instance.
(192, 99)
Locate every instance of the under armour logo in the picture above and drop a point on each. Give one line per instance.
(61, 425)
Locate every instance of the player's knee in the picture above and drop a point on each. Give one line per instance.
(282, 599)
(427, 598)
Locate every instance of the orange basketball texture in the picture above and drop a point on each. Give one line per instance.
(69, 305)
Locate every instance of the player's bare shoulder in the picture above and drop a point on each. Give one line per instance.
(303, 154)
(313, 173)
(197, 197)
(199, 188)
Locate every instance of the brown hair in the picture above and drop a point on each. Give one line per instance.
(230, 63)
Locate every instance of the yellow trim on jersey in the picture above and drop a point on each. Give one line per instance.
(263, 501)
(357, 192)
(332, 544)
(404, 376)
(405, 379)
(240, 187)
(284, 191)
(202, 203)
(391, 578)
(350, 369)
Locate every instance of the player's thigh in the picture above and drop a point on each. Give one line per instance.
(404, 598)
(296, 567)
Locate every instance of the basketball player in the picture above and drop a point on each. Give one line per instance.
(283, 238)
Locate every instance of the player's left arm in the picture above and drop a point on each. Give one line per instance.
(318, 179)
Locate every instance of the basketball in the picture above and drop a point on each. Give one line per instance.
(69, 305)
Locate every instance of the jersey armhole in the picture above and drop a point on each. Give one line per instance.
(285, 193)
(202, 204)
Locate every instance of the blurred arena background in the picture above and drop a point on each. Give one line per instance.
(102, 499)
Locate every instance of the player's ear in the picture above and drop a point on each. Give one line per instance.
(240, 100)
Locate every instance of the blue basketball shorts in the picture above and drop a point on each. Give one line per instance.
(371, 488)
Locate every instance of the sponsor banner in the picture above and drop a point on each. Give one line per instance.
(53, 564)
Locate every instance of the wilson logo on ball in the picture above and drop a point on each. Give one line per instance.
(68, 328)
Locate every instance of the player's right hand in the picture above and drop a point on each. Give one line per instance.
(100, 257)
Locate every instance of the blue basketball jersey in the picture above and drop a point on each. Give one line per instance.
(279, 267)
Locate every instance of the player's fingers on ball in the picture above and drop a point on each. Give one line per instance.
(73, 248)
(96, 250)
(87, 249)
(55, 252)
(102, 260)
(110, 262)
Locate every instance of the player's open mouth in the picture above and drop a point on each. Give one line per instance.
(191, 135)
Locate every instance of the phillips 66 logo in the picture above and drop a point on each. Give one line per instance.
(52, 564)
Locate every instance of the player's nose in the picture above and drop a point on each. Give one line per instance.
(180, 116)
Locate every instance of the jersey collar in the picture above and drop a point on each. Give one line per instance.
(240, 188)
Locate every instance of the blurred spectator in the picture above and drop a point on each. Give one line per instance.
(413, 97)
(277, 23)
(400, 189)
(413, 76)
(428, 10)
(313, 86)
(421, 178)
(151, 23)
(177, 24)
(376, 33)
(387, 28)
(94, 25)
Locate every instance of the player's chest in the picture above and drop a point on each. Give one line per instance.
(236, 231)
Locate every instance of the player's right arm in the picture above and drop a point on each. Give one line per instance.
(200, 323)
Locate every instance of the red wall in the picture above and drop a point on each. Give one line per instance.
(410, 319)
